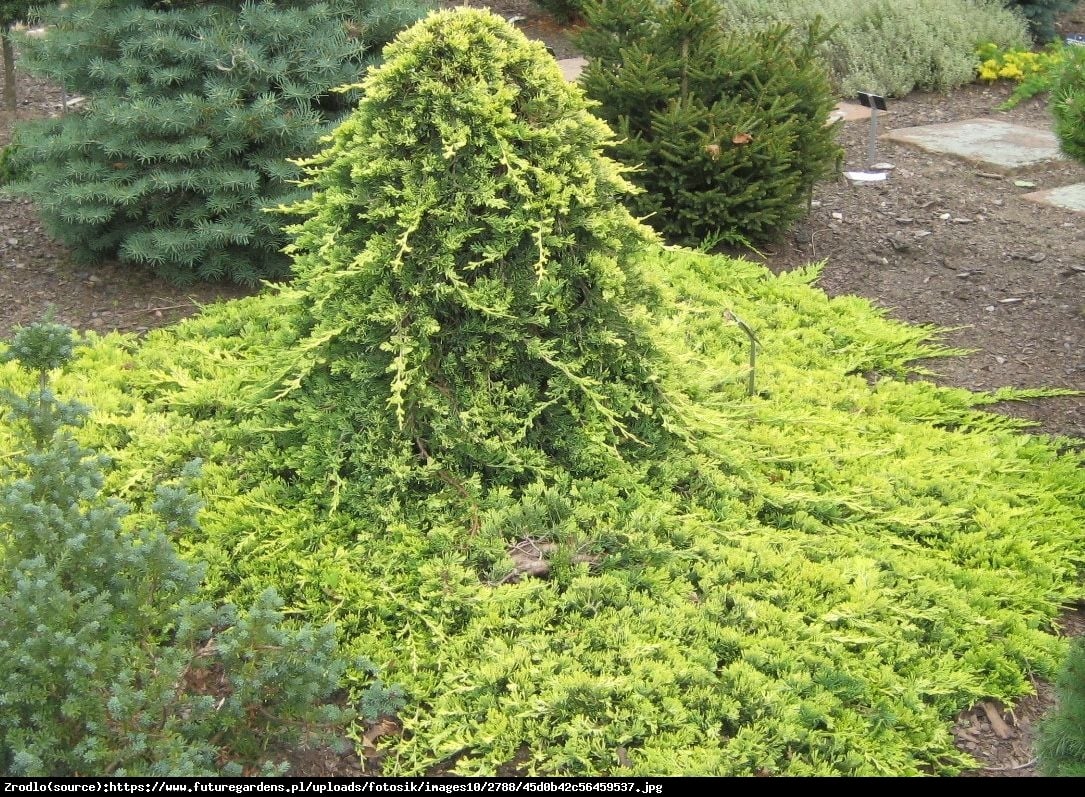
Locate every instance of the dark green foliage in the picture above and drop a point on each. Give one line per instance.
(470, 308)
(730, 133)
(191, 116)
(8, 171)
(1068, 104)
(564, 10)
(16, 10)
(1042, 15)
(1061, 745)
(109, 663)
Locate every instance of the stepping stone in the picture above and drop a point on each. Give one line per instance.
(572, 67)
(1069, 197)
(851, 112)
(987, 142)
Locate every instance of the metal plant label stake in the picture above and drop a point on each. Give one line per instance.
(875, 102)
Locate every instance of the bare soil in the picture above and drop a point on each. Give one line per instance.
(941, 242)
(951, 243)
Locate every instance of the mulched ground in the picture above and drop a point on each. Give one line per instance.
(891, 242)
(951, 243)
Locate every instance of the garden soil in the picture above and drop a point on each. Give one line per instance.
(940, 242)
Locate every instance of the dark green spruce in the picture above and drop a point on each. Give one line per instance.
(1068, 104)
(728, 133)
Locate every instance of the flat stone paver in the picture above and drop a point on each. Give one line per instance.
(988, 142)
(572, 67)
(1069, 197)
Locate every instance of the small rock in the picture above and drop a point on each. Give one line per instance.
(1011, 300)
(921, 233)
(905, 219)
(962, 220)
(989, 308)
(838, 216)
(945, 216)
(1024, 183)
(1039, 257)
(1000, 360)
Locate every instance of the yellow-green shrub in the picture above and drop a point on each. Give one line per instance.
(810, 581)
(818, 587)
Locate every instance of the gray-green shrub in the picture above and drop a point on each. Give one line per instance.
(892, 46)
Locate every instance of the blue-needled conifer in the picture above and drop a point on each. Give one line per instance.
(1042, 15)
(1061, 746)
(190, 113)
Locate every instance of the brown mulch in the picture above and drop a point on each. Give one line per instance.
(887, 241)
(951, 243)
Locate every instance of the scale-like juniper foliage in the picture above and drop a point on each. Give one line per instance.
(814, 582)
(471, 304)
